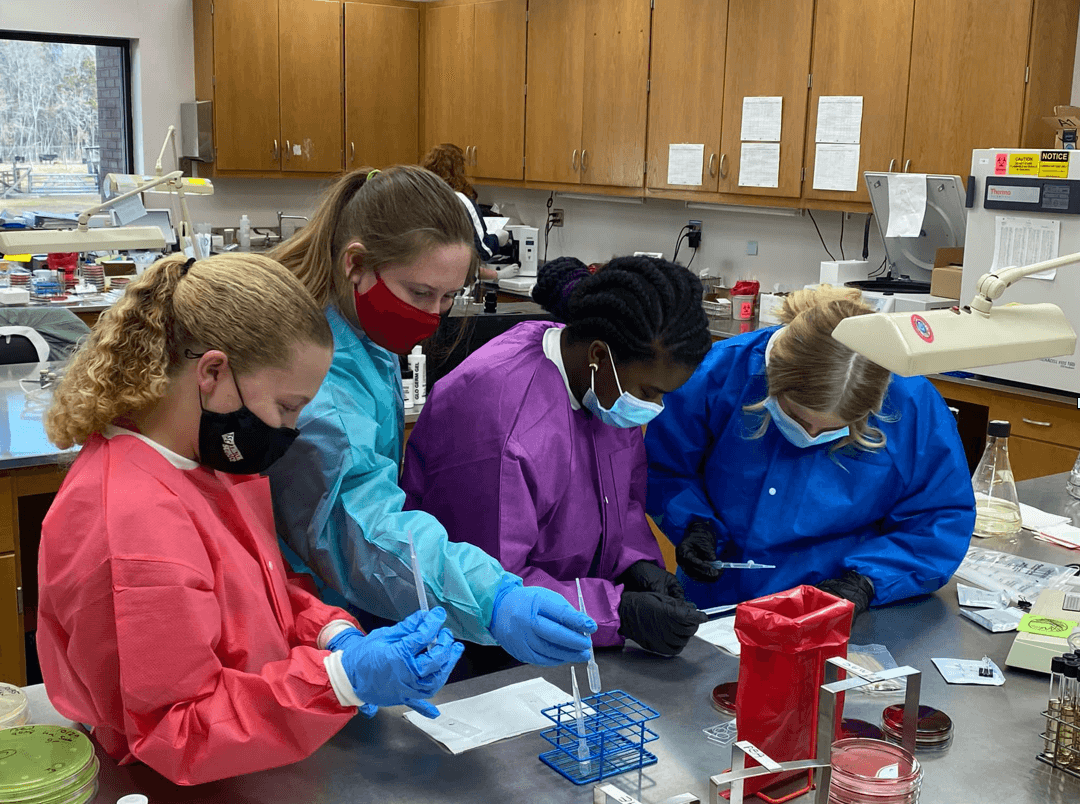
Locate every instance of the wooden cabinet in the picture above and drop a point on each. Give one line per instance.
(587, 77)
(498, 117)
(845, 31)
(686, 92)
(382, 92)
(768, 54)
(966, 88)
(1045, 434)
(244, 80)
(474, 83)
(311, 85)
(12, 663)
(555, 75)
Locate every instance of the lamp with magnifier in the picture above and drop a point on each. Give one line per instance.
(83, 238)
(951, 339)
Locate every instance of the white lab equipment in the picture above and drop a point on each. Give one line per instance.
(525, 238)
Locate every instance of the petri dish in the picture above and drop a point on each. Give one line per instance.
(14, 707)
(934, 728)
(723, 697)
(851, 727)
(873, 770)
(44, 764)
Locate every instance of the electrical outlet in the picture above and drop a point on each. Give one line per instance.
(557, 217)
(693, 236)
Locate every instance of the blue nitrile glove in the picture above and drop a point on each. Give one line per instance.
(538, 626)
(401, 664)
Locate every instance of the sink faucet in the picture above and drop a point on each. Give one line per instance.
(282, 217)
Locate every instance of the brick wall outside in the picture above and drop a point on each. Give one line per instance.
(112, 128)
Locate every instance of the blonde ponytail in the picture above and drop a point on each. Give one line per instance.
(243, 304)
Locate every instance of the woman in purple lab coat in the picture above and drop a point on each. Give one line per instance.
(532, 448)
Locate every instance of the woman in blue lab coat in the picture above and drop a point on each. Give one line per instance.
(385, 253)
(787, 448)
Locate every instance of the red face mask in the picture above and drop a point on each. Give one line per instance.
(390, 322)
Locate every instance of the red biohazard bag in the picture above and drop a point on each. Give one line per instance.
(786, 639)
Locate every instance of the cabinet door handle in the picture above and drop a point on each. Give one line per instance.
(907, 164)
(277, 153)
(891, 163)
(723, 161)
(584, 160)
(1037, 424)
(712, 161)
(352, 152)
(288, 150)
(474, 160)
(573, 160)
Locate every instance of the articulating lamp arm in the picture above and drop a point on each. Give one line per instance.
(991, 286)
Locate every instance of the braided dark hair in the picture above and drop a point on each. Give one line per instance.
(636, 305)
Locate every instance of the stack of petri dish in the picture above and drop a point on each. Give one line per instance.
(47, 765)
(14, 708)
(94, 274)
(873, 772)
(934, 731)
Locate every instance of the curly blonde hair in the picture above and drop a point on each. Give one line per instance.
(447, 161)
(246, 305)
(810, 368)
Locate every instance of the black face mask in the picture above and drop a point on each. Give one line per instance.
(240, 443)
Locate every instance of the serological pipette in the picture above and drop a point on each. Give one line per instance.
(579, 717)
(594, 668)
(418, 578)
(739, 565)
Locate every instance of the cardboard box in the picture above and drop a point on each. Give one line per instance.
(947, 273)
(1066, 121)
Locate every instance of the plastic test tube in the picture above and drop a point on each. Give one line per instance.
(418, 577)
(594, 668)
(579, 717)
(1064, 753)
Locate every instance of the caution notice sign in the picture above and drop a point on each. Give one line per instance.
(1023, 164)
(1054, 165)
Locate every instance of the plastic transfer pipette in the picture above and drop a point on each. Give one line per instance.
(739, 565)
(579, 717)
(719, 609)
(418, 577)
(594, 668)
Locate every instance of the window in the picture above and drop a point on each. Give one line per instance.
(66, 120)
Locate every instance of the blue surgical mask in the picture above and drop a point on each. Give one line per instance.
(795, 432)
(628, 411)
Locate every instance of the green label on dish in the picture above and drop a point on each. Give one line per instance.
(1046, 626)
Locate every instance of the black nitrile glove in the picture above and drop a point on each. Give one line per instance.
(658, 623)
(644, 576)
(853, 586)
(696, 552)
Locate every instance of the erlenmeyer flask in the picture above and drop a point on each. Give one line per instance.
(1072, 485)
(997, 508)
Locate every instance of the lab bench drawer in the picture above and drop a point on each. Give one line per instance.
(1044, 421)
(1031, 458)
(12, 639)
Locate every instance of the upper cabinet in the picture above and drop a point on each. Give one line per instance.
(588, 68)
(309, 50)
(968, 74)
(474, 83)
(293, 96)
(382, 92)
(845, 31)
(247, 120)
(768, 58)
(686, 92)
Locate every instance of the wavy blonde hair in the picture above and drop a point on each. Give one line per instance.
(811, 368)
(397, 214)
(246, 305)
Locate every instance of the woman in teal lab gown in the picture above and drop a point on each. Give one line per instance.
(385, 253)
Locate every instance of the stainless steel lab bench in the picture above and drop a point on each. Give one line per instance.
(387, 760)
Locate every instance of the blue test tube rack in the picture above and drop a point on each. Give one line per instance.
(615, 733)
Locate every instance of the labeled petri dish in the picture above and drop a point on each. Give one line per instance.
(44, 764)
(723, 697)
(872, 770)
(14, 707)
(934, 728)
